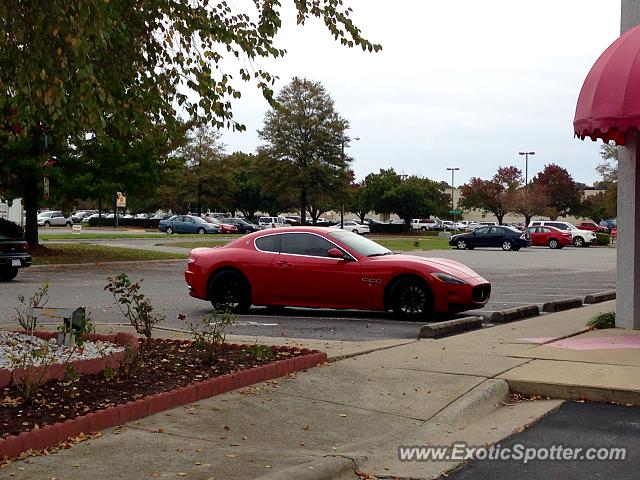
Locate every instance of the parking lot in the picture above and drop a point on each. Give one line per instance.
(532, 275)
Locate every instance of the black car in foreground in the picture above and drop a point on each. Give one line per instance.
(242, 225)
(14, 254)
(507, 238)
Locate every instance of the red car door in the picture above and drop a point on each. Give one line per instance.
(538, 237)
(304, 275)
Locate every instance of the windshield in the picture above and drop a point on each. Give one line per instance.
(572, 226)
(199, 220)
(360, 244)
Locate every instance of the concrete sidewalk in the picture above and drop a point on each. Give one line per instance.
(357, 410)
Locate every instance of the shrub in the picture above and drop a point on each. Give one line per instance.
(209, 334)
(604, 320)
(603, 238)
(25, 315)
(387, 228)
(126, 222)
(11, 229)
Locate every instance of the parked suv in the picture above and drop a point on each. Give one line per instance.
(580, 238)
(272, 222)
(424, 224)
(53, 218)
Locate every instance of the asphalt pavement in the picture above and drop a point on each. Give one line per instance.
(573, 425)
(533, 275)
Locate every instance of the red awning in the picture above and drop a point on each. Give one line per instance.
(609, 102)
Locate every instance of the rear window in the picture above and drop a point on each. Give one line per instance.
(268, 243)
(265, 219)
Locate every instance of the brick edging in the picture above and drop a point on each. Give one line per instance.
(50, 435)
(90, 366)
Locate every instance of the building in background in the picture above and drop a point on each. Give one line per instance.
(12, 211)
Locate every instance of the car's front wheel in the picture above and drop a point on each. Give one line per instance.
(355, 230)
(47, 224)
(461, 244)
(578, 242)
(8, 273)
(229, 292)
(507, 245)
(411, 300)
(201, 231)
(553, 243)
(169, 231)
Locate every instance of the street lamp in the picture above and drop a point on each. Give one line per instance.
(345, 140)
(453, 211)
(526, 165)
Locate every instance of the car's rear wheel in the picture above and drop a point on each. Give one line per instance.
(201, 231)
(169, 231)
(8, 273)
(578, 242)
(229, 292)
(47, 224)
(411, 300)
(423, 229)
(355, 230)
(507, 245)
(461, 244)
(553, 243)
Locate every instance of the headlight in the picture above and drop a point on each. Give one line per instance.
(446, 278)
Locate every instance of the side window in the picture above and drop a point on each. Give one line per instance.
(269, 243)
(535, 224)
(546, 230)
(561, 226)
(482, 231)
(179, 218)
(305, 244)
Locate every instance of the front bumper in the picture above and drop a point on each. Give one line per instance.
(451, 298)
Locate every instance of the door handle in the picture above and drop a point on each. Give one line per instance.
(283, 263)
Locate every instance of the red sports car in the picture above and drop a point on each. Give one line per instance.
(328, 268)
(549, 236)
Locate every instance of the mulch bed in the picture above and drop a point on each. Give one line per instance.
(165, 366)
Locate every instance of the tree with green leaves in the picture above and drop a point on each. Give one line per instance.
(492, 195)
(247, 183)
(413, 196)
(306, 135)
(358, 203)
(80, 67)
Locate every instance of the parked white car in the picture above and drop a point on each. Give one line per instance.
(353, 226)
(54, 218)
(272, 222)
(471, 226)
(424, 224)
(448, 225)
(580, 238)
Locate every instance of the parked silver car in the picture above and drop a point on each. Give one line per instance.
(53, 218)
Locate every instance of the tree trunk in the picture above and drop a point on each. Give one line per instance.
(31, 208)
(362, 216)
(527, 219)
(303, 207)
(499, 217)
(100, 212)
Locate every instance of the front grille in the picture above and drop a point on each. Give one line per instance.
(481, 293)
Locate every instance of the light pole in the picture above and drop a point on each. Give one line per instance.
(453, 211)
(526, 165)
(344, 140)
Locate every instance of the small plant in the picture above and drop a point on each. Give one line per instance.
(258, 353)
(604, 320)
(25, 315)
(133, 304)
(71, 374)
(209, 334)
(416, 244)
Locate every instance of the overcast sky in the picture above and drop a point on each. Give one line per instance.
(463, 83)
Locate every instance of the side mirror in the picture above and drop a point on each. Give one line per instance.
(335, 253)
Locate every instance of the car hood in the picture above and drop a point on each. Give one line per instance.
(440, 264)
(582, 232)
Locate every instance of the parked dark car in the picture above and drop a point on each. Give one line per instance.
(187, 224)
(507, 238)
(14, 254)
(242, 225)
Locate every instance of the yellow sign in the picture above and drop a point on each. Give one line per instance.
(121, 200)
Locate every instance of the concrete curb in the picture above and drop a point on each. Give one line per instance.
(575, 392)
(440, 329)
(512, 314)
(561, 305)
(600, 297)
(475, 404)
(325, 468)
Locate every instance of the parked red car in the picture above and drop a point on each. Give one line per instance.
(329, 268)
(549, 236)
(592, 227)
(223, 227)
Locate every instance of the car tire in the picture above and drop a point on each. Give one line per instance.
(411, 299)
(355, 230)
(507, 245)
(578, 242)
(423, 229)
(461, 244)
(47, 224)
(169, 231)
(553, 244)
(201, 231)
(9, 273)
(229, 291)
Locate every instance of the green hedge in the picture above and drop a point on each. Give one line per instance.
(10, 229)
(387, 228)
(126, 222)
(603, 238)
